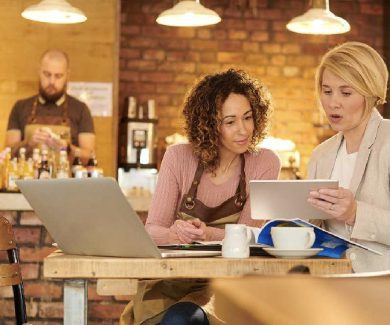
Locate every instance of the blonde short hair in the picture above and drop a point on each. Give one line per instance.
(360, 66)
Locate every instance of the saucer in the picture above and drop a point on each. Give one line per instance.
(292, 253)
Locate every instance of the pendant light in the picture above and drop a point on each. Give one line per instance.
(188, 13)
(54, 12)
(319, 20)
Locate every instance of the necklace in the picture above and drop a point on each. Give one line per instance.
(225, 169)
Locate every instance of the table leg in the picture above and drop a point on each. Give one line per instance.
(75, 302)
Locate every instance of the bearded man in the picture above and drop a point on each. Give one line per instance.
(52, 118)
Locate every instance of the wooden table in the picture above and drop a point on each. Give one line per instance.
(76, 270)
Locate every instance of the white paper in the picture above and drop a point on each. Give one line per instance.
(97, 96)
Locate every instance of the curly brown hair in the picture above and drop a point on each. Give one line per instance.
(203, 106)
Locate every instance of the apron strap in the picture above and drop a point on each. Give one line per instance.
(33, 115)
(191, 195)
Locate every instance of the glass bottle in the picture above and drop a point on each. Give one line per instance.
(28, 172)
(6, 167)
(63, 165)
(13, 175)
(36, 157)
(91, 164)
(44, 169)
(21, 162)
(76, 164)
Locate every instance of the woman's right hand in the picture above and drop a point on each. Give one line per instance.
(185, 232)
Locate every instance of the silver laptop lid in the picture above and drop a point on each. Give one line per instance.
(89, 217)
(285, 199)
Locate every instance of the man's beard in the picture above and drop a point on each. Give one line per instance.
(52, 97)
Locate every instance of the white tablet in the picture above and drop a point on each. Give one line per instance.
(286, 199)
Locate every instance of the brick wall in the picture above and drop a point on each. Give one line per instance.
(163, 62)
(44, 297)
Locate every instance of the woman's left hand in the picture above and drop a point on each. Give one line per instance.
(340, 203)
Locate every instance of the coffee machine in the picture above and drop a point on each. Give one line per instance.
(141, 142)
(139, 135)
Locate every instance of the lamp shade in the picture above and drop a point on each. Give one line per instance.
(54, 12)
(188, 13)
(319, 21)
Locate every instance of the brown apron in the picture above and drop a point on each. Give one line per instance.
(154, 297)
(60, 125)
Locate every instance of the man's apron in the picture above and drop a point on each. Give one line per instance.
(60, 125)
(154, 297)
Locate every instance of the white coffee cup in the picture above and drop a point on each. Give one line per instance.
(236, 241)
(293, 237)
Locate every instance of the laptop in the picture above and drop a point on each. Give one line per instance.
(91, 216)
(286, 199)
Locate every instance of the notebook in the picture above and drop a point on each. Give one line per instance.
(286, 199)
(91, 216)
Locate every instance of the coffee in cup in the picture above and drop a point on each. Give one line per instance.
(293, 237)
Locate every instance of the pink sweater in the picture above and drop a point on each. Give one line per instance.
(174, 180)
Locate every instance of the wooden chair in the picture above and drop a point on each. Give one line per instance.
(10, 274)
(355, 299)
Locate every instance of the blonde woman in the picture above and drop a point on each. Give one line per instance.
(351, 82)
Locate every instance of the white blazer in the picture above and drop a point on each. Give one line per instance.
(371, 185)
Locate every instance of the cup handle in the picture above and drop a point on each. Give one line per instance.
(311, 239)
(248, 234)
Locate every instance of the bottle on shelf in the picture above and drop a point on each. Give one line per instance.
(13, 175)
(36, 158)
(44, 169)
(91, 164)
(76, 164)
(28, 172)
(63, 165)
(21, 162)
(6, 167)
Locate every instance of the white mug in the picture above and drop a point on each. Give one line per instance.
(293, 237)
(236, 241)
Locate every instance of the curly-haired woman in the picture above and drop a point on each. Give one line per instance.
(203, 185)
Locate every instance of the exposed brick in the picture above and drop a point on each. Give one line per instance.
(229, 46)
(230, 57)
(30, 218)
(30, 235)
(259, 36)
(106, 311)
(278, 59)
(208, 56)
(35, 254)
(129, 76)
(51, 310)
(43, 290)
(130, 53)
(250, 46)
(271, 48)
(238, 34)
(158, 55)
(143, 42)
(130, 30)
(203, 45)
(291, 71)
(141, 65)
(29, 271)
(256, 24)
(6, 292)
(204, 33)
(157, 77)
(371, 9)
(93, 296)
